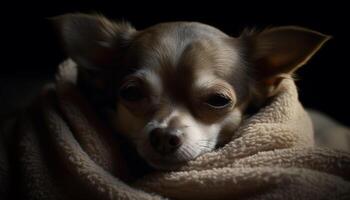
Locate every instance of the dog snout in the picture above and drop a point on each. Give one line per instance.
(166, 141)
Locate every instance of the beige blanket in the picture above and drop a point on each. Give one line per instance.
(63, 152)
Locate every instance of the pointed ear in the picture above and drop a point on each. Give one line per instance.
(278, 52)
(92, 41)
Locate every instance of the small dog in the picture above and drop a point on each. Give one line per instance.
(177, 90)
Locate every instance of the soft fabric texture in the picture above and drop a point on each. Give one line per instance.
(62, 151)
(329, 132)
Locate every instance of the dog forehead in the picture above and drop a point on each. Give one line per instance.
(185, 30)
(185, 47)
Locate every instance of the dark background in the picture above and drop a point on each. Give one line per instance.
(31, 51)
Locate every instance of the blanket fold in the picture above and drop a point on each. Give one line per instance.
(63, 151)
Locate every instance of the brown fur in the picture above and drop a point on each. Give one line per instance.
(178, 66)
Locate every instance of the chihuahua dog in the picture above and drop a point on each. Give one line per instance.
(177, 90)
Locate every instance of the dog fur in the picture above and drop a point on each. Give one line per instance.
(179, 70)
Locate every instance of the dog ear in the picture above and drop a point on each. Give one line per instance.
(278, 52)
(92, 41)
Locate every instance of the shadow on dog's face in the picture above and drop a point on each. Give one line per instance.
(182, 88)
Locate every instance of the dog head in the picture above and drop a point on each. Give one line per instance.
(180, 89)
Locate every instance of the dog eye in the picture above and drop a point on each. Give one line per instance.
(132, 93)
(218, 101)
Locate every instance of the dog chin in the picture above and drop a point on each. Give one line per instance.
(171, 161)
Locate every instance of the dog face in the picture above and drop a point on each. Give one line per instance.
(181, 89)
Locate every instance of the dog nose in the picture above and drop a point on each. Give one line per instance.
(165, 141)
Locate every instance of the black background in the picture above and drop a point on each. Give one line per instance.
(31, 51)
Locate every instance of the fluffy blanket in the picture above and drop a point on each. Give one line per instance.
(62, 151)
